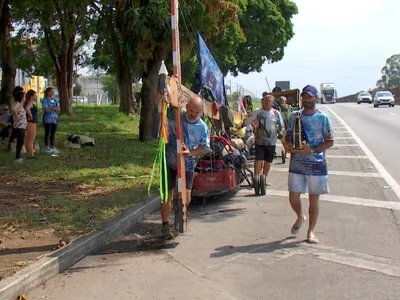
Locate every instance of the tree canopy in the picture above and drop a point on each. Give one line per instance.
(390, 73)
(132, 37)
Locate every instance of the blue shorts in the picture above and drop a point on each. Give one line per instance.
(316, 185)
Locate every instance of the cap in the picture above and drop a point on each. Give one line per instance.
(264, 94)
(311, 90)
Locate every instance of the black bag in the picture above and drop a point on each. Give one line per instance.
(74, 139)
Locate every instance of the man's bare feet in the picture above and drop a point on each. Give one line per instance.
(311, 238)
(297, 225)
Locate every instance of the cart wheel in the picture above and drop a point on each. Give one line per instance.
(262, 184)
(283, 156)
(256, 184)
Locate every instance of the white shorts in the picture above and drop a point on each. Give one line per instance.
(316, 185)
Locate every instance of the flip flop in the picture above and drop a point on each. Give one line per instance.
(312, 240)
(296, 227)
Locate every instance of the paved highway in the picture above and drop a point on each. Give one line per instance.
(240, 247)
(378, 128)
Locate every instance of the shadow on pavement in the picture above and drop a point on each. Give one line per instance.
(144, 236)
(256, 248)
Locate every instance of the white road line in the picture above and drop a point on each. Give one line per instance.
(345, 145)
(382, 265)
(381, 169)
(393, 114)
(333, 198)
(347, 156)
(339, 173)
(343, 138)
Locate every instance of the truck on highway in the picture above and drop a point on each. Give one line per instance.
(328, 93)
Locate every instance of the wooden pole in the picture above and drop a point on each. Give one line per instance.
(180, 209)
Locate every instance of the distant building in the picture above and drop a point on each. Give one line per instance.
(37, 83)
(92, 88)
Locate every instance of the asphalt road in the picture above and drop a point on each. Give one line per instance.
(378, 128)
(240, 248)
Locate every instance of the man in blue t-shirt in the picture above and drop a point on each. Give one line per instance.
(308, 168)
(196, 144)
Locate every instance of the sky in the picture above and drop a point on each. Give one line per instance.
(342, 41)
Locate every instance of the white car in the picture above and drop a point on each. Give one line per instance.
(383, 98)
(364, 97)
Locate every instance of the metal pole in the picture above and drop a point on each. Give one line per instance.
(181, 201)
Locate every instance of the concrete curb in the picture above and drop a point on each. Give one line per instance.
(60, 260)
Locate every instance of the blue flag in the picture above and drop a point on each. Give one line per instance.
(210, 74)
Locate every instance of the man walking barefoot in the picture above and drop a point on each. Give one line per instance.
(308, 168)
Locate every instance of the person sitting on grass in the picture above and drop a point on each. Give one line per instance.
(5, 122)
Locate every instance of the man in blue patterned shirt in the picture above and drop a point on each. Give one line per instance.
(196, 144)
(308, 168)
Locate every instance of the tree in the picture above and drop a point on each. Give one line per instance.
(116, 47)
(77, 89)
(7, 61)
(206, 16)
(238, 41)
(390, 73)
(110, 86)
(31, 56)
(268, 28)
(59, 23)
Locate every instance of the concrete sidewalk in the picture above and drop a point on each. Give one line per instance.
(240, 247)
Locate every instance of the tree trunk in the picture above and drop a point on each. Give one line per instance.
(69, 70)
(7, 61)
(127, 104)
(63, 63)
(149, 116)
(65, 107)
(115, 100)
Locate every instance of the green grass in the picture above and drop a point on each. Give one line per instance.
(80, 188)
(256, 105)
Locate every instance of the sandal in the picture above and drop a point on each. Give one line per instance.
(296, 227)
(312, 240)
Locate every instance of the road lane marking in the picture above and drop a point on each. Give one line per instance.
(333, 198)
(379, 264)
(347, 156)
(335, 173)
(338, 173)
(381, 169)
(343, 138)
(284, 250)
(345, 145)
(393, 114)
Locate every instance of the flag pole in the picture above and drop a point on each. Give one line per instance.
(180, 208)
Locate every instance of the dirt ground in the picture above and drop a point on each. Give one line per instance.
(21, 243)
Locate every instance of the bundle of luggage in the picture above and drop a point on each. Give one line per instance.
(222, 157)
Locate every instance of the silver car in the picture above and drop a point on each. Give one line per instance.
(364, 97)
(383, 98)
